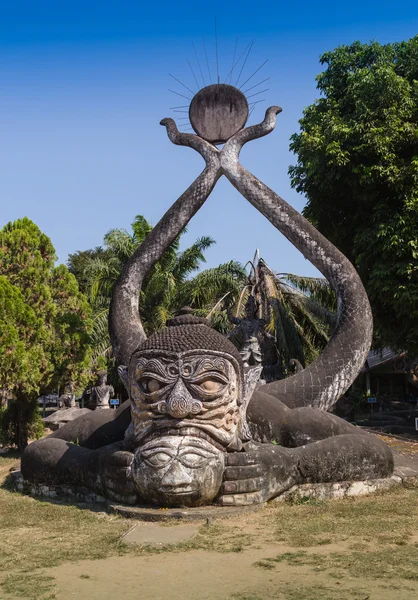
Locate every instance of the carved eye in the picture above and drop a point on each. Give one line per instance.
(193, 460)
(158, 460)
(211, 385)
(149, 385)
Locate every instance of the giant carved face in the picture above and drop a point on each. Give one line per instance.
(186, 388)
(194, 389)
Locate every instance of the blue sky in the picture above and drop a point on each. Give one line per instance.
(85, 84)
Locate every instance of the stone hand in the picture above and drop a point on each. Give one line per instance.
(256, 475)
(114, 469)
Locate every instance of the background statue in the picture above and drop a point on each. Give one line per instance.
(67, 400)
(249, 332)
(199, 433)
(101, 393)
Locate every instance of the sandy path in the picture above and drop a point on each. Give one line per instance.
(204, 575)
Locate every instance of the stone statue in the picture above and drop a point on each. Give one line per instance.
(249, 330)
(67, 400)
(101, 393)
(194, 431)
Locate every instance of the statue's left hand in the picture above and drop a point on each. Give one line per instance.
(256, 475)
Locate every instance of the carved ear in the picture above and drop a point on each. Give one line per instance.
(251, 378)
(123, 376)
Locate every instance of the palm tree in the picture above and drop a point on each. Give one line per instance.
(168, 288)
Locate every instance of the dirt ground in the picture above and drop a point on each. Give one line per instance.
(214, 576)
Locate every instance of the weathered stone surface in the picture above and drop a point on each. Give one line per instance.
(157, 535)
(95, 429)
(344, 489)
(217, 112)
(178, 471)
(65, 493)
(199, 513)
(60, 417)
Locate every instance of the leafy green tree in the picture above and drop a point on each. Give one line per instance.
(169, 287)
(78, 262)
(22, 336)
(357, 163)
(44, 331)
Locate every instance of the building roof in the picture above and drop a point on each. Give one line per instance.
(376, 358)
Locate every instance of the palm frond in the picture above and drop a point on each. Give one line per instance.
(189, 260)
(141, 229)
(120, 243)
(318, 289)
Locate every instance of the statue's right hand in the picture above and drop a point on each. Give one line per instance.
(115, 476)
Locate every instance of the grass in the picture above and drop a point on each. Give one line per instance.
(371, 537)
(386, 518)
(36, 534)
(30, 586)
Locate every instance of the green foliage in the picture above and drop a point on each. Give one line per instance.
(77, 265)
(9, 434)
(44, 330)
(24, 360)
(357, 163)
(169, 287)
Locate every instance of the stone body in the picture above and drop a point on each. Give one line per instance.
(199, 432)
(249, 331)
(101, 393)
(62, 416)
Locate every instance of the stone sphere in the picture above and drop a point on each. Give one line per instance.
(217, 112)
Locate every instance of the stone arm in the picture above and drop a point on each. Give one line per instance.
(96, 429)
(125, 326)
(233, 319)
(331, 374)
(265, 333)
(53, 461)
(263, 471)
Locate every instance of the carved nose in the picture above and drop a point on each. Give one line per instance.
(179, 406)
(176, 477)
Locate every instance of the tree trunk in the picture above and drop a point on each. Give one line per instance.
(3, 398)
(22, 416)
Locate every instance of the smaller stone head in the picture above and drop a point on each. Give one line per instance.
(251, 308)
(178, 471)
(102, 377)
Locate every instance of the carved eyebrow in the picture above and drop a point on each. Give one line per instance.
(192, 449)
(155, 366)
(219, 364)
(157, 443)
(195, 444)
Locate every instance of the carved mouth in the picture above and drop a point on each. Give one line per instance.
(181, 430)
(178, 492)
